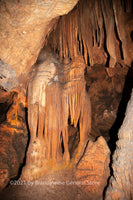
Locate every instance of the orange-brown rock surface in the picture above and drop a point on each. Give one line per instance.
(93, 168)
(13, 139)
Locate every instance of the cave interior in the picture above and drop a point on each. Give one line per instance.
(65, 117)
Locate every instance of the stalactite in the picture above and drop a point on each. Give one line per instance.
(112, 43)
(64, 42)
(61, 43)
(124, 23)
(99, 28)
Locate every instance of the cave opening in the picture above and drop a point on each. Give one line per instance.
(83, 59)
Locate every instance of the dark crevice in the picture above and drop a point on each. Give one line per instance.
(131, 35)
(99, 36)
(72, 140)
(83, 153)
(79, 45)
(93, 41)
(88, 59)
(5, 106)
(37, 122)
(62, 144)
(82, 48)
(96, 35)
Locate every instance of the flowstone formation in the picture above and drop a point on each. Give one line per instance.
(56, 97)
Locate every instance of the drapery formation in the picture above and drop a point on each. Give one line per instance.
(56, 95)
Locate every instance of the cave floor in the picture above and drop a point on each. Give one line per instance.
(59, 185)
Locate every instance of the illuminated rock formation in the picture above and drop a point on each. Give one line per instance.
(121, 183)
(100, 30)
(93, 168)
(56, 93)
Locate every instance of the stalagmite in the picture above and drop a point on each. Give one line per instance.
(55, 93)
(41, 76)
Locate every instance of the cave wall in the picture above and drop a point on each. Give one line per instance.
(13, 136)
(121, 182)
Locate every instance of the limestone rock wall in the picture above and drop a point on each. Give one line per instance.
(121, 183)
